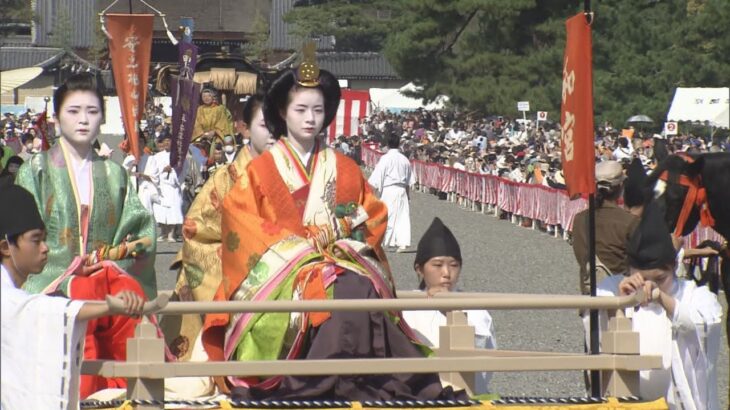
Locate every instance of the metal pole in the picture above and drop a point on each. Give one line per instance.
(595, 375)
(130, 6)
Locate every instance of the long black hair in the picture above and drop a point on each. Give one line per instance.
(253, 103)
(277, 99)
(77, 82)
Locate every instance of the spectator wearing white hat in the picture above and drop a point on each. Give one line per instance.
(614, 225)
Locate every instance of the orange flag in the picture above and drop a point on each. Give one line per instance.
(576, 118)
(130, 47)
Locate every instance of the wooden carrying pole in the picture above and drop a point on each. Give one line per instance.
(456, 359)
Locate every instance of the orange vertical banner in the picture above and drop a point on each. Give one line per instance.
(576, 117)
(130, 48)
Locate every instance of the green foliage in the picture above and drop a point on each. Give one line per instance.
(358, 25)
(513, 50)
(18, 11)
(258, 47)
(99, 49)
(489, 53)
(62, 34)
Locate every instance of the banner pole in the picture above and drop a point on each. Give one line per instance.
(595, 375)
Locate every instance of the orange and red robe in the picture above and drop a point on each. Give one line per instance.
(266, 253)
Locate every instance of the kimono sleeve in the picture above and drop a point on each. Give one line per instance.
(248, 230)
(377, 221)
(137, 223)
(27, 178)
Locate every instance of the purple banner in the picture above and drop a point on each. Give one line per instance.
(185, 96)
(187, 59)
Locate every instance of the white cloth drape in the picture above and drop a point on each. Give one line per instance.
(426, 324)
(42, 348)
(689, 344)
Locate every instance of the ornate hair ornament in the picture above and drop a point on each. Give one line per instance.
(308, 72)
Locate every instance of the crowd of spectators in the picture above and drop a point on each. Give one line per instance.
(516, 149)
(20, 137)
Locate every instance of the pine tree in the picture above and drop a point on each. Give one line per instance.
(258, 48)
(360, 25)
(62, 35)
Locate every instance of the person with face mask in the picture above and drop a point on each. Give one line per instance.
(90, 209)
(229, 149)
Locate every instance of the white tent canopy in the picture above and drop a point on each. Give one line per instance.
(701, 104)
(393, 99)
(12, 79)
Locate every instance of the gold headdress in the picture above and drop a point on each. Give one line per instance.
(308, 71)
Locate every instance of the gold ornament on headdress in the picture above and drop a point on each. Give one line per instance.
(308, 71)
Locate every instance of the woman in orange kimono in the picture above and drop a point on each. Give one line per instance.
(307, 226)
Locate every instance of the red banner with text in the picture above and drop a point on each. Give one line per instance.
(130, 47)
(576, 118)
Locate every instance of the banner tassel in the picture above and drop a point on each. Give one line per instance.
(170, 36)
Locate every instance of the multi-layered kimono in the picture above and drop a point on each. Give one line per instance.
(89, 208)
(213, 117)
(200, 257)
(269, 221)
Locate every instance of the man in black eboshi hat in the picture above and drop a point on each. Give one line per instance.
(42, 336)
(677, 319)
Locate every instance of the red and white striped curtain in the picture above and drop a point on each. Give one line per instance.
(354, 107)
(548, 205)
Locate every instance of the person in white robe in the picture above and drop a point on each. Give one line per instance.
(42, 336)
(393, 177)
(678, 321)
(168, 212)
(438, 265)
(140, 173)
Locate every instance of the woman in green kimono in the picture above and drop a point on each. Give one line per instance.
(100, 237)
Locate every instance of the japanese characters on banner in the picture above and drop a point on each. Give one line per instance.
(185, 95)
(130, 45)
(576, 117)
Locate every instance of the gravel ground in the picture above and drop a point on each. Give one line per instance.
(501, 257)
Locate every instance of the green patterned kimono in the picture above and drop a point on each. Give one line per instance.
(115, 214)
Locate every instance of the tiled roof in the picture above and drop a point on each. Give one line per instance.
(357, 66)
(20, 57)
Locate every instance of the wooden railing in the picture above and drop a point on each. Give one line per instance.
(456, 358)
